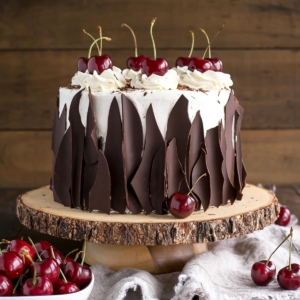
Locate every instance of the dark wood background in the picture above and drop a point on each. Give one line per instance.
(40, 42)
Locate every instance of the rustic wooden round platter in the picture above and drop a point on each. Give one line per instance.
(155, 243)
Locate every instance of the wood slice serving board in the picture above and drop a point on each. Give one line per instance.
(156, 243)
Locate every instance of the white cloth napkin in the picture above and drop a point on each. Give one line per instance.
(223, 273)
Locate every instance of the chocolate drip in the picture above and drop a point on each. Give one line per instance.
(132, 150)
(153, 142)
(99, 198)
(157, 181)
(78, 136)
(114, 157)
(175, 174)
(62, 171)
(214, 161)
(179, 126)
(202, 188)
(59, 128)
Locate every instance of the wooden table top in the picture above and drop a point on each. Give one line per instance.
(11, 228)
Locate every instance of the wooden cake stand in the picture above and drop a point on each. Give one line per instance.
(155, 243)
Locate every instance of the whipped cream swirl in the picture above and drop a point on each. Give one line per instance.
(129, 74)
(169, 81)
(109, 80)
(208, 81)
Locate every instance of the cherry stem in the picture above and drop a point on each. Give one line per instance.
(291, 245)
(277, 248)
(208, 42)
(17, 284)
(63, 276)
(23, 252)
(52, 253)
(134, 38)
(208, 47)
(92, 39)
(65, 260)
(151, 34)
(193, 42)
(100, 34)
(95, 41)
(196, 183)
(84, 250)
(4, 241)
(35, 250)
(77, 255)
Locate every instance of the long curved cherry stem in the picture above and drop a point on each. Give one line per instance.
(208, 42)
(291, 246)
(77, 255)
(134, 39)
(25, 253)
(17, 284)
(193, 42)
(63, 276)
(35, 250)
(65, 260)
(196, 183)
(84, 250)
(91, 47)
(152, 38)
(100, 34)
(92, 39)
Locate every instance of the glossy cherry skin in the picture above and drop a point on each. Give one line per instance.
(58, 256)
(289, 279)
(217, 63)
(78, 274)
(20, 245)
(183, 61)
(43, 287)
(151, 66)
(48, 268)
(200, 65)
(135, 63)
(82, 64)
(62, 287)
(42, 245)
(284, 216)
(181, 205)
(99, 64)
(11, 265)
(263, 274)
(6, 286)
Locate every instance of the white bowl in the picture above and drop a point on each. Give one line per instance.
(81, 295)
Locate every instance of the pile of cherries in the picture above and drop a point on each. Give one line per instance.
(28, 269)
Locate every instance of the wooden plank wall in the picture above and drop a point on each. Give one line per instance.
(260, 47)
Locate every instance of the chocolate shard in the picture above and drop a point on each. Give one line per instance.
(202, 188)
(153, 142)
(244, 175)
(230, 152)
(132, 150)
(62, 171)
(114, 157)
(90, 154)
(99, 198)
(175, 174)
(157, 181)
(59, 128)
(214, 161)
(229, 191)
(179, 126)
(78, 137)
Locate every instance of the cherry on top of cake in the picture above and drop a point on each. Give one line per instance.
(97, 63)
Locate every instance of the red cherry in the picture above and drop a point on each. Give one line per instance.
(262, 274)
(43, 286)
(201, 65)
(6, 286)
(42, 245)
(78, 274)
(62, 287)
(181, 205)
(18, 246)
(157, 66)
(11, 265)
(183, 61)
(48, 268)
(135, 63)
(58, 256)
(289, 279)
(217, 64)
(284, 216)
(82, 64)
(99, 63)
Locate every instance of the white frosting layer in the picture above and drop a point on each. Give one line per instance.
(210, 104)
(108, 80)
(155, 82)
(130, 74)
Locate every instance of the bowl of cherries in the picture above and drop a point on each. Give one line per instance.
(39, 270)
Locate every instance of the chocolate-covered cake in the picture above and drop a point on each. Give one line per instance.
(125, 142)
